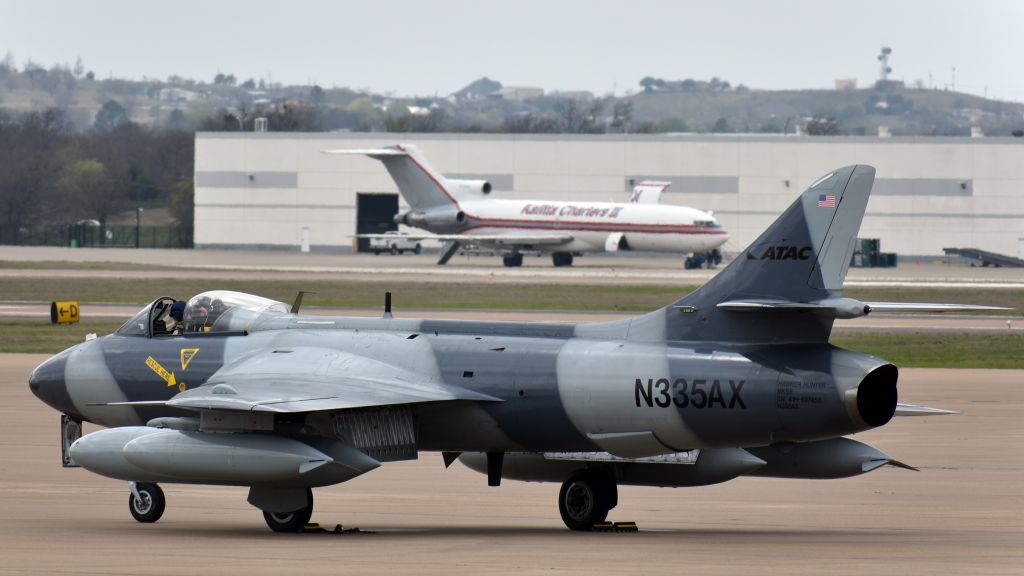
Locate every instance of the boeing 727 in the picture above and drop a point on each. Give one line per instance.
(460, 212)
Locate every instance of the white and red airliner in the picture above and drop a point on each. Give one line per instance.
(460, 212)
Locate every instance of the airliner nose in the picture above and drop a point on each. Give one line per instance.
(48, 384)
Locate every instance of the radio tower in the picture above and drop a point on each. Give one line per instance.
(884, 70)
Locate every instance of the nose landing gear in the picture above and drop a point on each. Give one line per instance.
(146, 502)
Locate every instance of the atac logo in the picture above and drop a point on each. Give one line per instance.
(780, 252)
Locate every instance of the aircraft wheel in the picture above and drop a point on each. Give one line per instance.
(150, 504)
(376, 251)
(688, 264)
(417, 249)
(291, 521)
(561, 259)
(585, 500)
(394, 249)
(513, 260)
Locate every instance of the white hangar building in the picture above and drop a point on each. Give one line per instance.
(273, 190)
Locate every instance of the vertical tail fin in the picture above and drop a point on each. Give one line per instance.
(421, 186)
(801, 258)
(785, 287)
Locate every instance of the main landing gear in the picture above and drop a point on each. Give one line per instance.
(585, 499)
(291, 521)
(706, 260)
(560, 259)
(147, 503)
(512, 260)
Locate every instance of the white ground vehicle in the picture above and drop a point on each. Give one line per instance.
(396, 243)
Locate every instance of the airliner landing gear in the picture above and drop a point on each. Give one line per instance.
(513, 260)
(585, 499)
(146, 502)
(561, 259)
(706, 260)
(293, 521)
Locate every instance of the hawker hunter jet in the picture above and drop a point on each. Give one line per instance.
(461, 212)
(735, 379)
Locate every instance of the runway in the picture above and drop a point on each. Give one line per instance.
(592, 269)
(963, 513)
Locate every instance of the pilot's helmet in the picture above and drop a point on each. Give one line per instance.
(178, 310)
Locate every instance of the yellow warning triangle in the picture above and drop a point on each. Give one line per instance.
(186, 356)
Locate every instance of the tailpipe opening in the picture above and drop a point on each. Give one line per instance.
(874, 399)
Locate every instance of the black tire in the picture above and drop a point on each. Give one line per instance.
(560, 259)
(513, 260)
(376, 251)
(585, 500)
(394, 249)
(417, 249)
(150, 505)
(688, 264)
(291, 521)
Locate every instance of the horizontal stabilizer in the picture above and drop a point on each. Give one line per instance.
(915, 410)
(928, 307)
(835, 307)
(844, 307)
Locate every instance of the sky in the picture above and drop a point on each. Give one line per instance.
(426, 48)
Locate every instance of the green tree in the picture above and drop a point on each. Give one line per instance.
(176, 121)
(110, 116)
(182, 209)
(671, 124)
(86, 187)
(317, 95)
(182, 201)
(721, 126)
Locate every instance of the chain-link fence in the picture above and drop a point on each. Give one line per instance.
(93, 236)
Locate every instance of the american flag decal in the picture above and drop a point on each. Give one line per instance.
(826, 200)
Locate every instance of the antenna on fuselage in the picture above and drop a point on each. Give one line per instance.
(387, 304)
(298, 300)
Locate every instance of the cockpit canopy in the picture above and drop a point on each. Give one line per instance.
(212, 311)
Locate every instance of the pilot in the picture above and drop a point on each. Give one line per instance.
(196, 315)
(217, 308)
(177, 317)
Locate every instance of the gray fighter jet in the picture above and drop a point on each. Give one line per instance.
(736, 378)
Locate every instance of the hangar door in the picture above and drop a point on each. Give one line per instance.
(375, 214)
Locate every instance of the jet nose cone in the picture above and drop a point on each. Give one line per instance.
(48, 384)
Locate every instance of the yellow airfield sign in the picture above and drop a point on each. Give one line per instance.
(63, 312)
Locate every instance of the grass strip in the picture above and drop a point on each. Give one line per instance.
(473, 295)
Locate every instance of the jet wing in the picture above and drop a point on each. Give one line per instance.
(494, 239)
(311, 379)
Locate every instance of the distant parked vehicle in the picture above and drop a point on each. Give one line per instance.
(396, 243)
